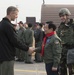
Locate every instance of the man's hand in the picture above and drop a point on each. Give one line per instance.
(54, 69)
(31, 50)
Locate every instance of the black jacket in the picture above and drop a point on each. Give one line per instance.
(8, 41)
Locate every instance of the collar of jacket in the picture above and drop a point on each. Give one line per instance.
(5, 18)
(68, 23)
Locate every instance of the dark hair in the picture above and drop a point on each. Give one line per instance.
(30, 25)
(51, 25)
(37, 23)
(20, 22)
(40, 24)
(10, 9)
(49, 22)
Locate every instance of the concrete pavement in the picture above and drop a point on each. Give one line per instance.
(20, 68)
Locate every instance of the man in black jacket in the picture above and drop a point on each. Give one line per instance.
(8, 42)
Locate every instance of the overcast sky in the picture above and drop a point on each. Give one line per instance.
(28, 8)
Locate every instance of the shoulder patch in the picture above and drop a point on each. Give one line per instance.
(56, 42)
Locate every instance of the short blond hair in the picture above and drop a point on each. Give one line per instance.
(10, 9)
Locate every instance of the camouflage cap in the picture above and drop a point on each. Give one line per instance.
(64, 11)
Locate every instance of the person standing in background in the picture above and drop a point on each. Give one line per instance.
(20, 55)
(28, 38)
(38, 34)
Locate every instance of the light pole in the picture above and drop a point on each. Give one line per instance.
(43, 1)
(16, 18)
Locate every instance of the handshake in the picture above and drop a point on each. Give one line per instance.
(31, 50)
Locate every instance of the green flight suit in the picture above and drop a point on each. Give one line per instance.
(28, 38)
(52, 50)
(38, 33)
(20, 54)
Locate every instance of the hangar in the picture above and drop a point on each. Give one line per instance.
(50, 12)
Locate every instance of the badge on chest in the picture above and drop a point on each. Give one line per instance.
(48, 40)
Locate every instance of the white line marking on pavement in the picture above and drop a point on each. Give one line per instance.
(21, 70)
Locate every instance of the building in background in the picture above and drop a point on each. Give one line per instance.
(51, 12)
(31, 20)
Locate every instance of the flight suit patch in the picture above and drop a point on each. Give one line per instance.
(56, 42)
(48, 40)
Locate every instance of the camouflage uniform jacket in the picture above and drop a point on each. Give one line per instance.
(66, 32)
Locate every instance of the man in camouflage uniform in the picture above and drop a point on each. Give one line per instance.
(66, 33)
